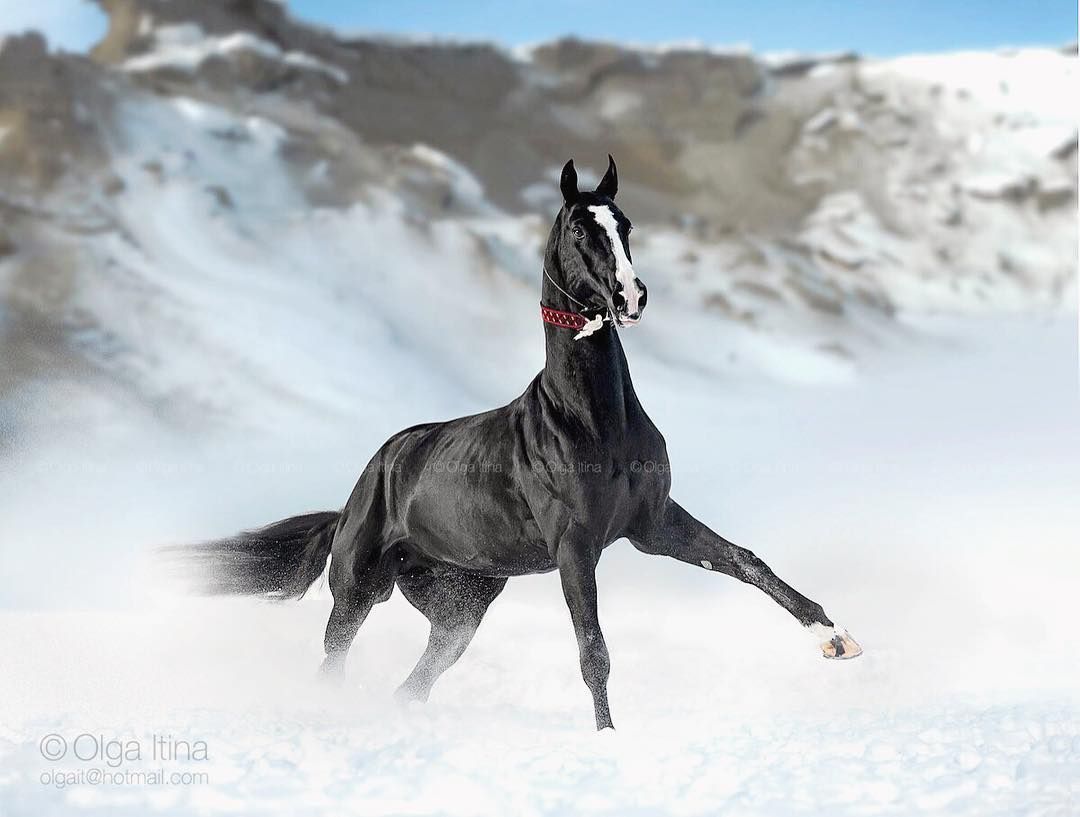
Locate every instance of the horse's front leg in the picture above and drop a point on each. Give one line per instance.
(577, 570)
(679, 535)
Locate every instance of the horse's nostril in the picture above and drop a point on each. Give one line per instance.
(619, 300)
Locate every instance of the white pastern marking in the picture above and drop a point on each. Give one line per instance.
(824, 634)
(705, 563)
(624, 270)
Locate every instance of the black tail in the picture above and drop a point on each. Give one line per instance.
(280, 561)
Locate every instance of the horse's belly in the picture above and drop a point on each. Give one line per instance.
(487, 556)
(519, 559)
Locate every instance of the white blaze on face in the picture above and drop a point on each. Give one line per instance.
(624, 270)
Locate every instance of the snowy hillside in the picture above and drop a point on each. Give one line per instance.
(237, 252)
(229, 185)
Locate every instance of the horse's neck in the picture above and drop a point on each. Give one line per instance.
(588, 378)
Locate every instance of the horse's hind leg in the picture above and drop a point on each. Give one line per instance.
(358, 584)
(454, 603)
(361, 570)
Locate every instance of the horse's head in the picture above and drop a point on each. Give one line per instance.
(589, 249)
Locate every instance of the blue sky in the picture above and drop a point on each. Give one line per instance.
(879, 27)
(882, 27)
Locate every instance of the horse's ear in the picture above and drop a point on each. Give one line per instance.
(568, 183)
(609, 185)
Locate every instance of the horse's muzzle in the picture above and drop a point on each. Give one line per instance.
(619, 310)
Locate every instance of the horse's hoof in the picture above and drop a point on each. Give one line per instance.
(332, 670)
(407, 696)
(836, 642)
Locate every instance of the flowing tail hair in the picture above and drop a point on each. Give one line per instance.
(280, 561)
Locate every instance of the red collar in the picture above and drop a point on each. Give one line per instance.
(567, 320)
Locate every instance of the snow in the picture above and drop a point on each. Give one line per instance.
(949, 557)
(526, 52)
(778, 60)
(972, 145)
(302, 60)
(823, 119)
(185, 46)
(1023, 81)
(464, 186)
(618, 104)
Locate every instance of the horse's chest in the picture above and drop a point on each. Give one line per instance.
(649, 479)
(650, 472)
(637, 481)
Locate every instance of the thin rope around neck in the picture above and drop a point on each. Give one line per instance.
(563, 291)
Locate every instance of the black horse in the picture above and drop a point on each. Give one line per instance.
(450, 510)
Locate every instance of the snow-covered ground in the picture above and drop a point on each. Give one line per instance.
(931, 508)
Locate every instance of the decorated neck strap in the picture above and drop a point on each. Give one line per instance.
(572, 320)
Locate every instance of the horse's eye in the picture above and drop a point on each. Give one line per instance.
(578, 233)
